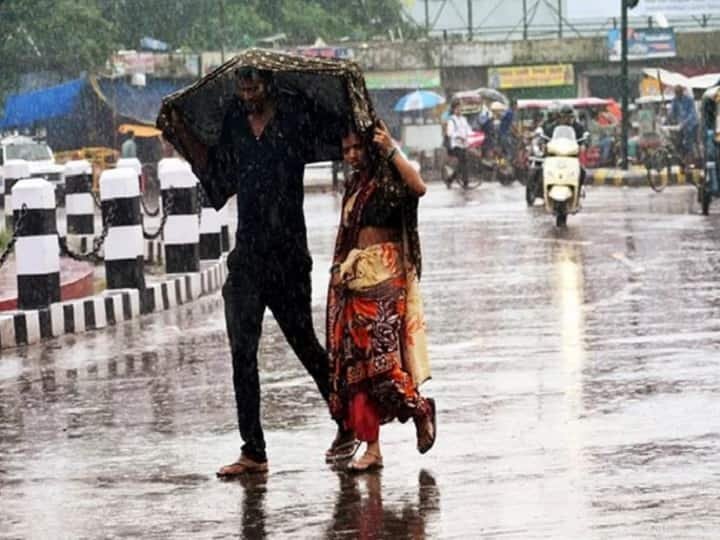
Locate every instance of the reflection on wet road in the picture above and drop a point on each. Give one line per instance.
(576, 375)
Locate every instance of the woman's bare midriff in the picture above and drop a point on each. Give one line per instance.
(376, 235)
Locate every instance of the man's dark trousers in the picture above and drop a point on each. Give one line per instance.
(283, 284)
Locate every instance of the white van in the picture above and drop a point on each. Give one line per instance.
(39, 157)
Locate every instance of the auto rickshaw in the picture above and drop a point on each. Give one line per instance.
(709, 187)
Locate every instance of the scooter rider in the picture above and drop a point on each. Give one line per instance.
(567, 118)
(543, 130)
(553, 117)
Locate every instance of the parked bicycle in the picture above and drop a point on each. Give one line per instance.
(660, 157)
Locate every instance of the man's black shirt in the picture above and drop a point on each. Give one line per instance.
(266, 173)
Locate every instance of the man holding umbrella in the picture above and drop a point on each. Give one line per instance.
(261, 154)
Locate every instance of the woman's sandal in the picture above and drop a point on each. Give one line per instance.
(341, 450)
(426, 429)
(370, 461)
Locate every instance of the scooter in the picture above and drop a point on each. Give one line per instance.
(561, 174)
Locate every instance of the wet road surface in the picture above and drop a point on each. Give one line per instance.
(576, 376)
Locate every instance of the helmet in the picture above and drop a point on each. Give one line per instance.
(566, 110)
(553, 110)
(497, 106)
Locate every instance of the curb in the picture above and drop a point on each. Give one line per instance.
(108, 308)
(637, 177)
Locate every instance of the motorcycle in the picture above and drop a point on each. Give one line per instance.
(561, 174)
(536, 158)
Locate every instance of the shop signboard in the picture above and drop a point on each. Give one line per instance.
(643, 43)
(540, 76)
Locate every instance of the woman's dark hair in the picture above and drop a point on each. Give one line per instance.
(366, 138)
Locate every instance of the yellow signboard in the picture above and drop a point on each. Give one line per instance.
(531, 76)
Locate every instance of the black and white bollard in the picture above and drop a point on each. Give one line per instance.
(37, 257)
(179, 189)
(120, 201)
(134, 164)
(13, 171)
(210, 237)
(225, 228)
(79, 205)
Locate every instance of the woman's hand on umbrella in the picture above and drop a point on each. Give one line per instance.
(383, 139)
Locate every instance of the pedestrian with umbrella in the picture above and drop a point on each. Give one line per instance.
(248, 129)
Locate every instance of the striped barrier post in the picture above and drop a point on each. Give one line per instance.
(120, 201)
(134, 164)
(210, 237)
(79, 205)
(37, 257)
(14, 170)
(224, 229)
(181, 234)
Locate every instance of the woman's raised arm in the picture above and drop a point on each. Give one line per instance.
(407, 172)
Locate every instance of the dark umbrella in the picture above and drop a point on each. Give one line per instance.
(333, 90)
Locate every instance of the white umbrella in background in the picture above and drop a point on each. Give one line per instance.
(418, 101)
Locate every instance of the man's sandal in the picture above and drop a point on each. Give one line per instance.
(342, 448)
(369, 461)
(244, 465)
(426, 428)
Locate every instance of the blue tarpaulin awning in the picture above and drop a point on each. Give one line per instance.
(24, 110)
(139, 102)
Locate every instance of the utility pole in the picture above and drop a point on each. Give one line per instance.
(624, 82)
(560, 18)
(624, 79)
(525, 20)
(427, 17)
(470, 20)
(222, 31)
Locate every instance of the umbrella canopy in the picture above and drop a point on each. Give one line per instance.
(419, 100)
(333, 90)
(491, 94)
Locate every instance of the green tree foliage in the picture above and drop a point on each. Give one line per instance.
(72, 36)
(63, 36)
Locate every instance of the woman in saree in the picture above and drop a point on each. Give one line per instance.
(375, 325)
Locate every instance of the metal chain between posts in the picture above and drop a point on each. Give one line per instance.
(202, 198)
(94, 255)
(167, 208)
(145, 208)
(17, 226)
(96, 200)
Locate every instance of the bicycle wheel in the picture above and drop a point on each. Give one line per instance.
(656, 163)
(473, 182)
